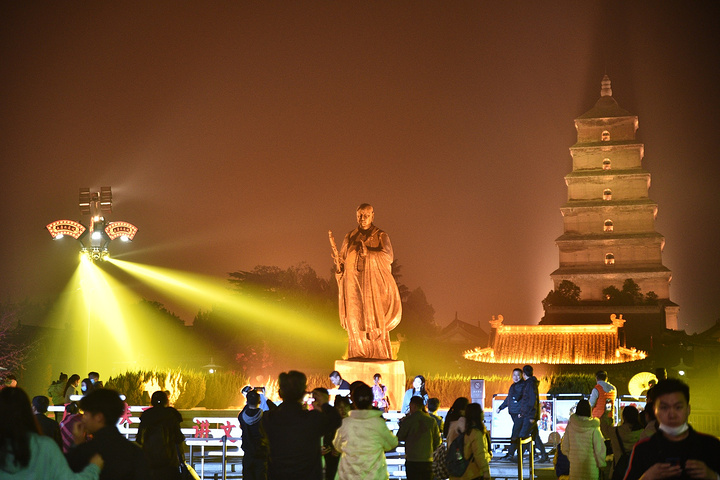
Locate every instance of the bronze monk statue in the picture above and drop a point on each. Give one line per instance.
(368, 296)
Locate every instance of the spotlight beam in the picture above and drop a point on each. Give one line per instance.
(101, 304)
(192, 290)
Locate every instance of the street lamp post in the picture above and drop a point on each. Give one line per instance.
(96, 236)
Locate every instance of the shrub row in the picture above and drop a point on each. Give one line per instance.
(219, 390)
(188, 388)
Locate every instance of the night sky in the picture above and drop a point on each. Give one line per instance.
(235, 134)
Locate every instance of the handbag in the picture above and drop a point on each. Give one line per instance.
(623, 462)
(185, 470)
(439, 464)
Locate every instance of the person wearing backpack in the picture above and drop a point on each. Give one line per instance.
(623, 439)
(160, 437)
(475, 444)
(455, 419)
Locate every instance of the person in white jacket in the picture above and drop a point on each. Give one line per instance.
(584, 444)
(362, 439)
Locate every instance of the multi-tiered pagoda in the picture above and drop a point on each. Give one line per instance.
(609, 226)
(608, 238)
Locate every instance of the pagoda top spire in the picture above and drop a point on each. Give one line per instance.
(606, 106)
(605, 87)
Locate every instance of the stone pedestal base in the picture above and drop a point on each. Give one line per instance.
(392, 371)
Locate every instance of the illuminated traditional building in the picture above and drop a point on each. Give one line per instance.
(609, 237)
(462, 334)
(609, 226)
(555, 344)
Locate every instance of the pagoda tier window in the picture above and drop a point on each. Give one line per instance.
(607, 194)
(605, 136)
(606, 164)
(608, 227)
(609, 259)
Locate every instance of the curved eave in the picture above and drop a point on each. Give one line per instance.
(605, 107)
(617, 145)
(659, 271)
(607, 236)
(602, 204)
(620, 357)
(598, 172)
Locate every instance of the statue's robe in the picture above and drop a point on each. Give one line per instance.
(369, 299)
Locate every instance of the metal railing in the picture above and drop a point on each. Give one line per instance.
(531, 456)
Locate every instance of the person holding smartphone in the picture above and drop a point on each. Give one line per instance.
(676, 450)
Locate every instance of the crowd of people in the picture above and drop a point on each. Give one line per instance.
(349, 438)
(655, 443)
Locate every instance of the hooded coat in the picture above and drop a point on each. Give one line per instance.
(584, 446)
(363, 438)
(254, 444)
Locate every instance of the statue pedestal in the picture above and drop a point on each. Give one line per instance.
(392, 371)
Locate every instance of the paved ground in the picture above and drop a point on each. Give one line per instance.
(499, 470)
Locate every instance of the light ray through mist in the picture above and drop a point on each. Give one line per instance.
(101, 303)
(106, 325)
(197, 291)
(69, 305)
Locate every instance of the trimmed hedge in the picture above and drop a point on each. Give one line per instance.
(188, 388)
(222, 390)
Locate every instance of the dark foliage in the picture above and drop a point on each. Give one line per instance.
(567, 293)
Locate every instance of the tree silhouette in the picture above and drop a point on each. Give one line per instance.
(418, 317)
(12, 350)
(567, 293)
(404, 290)
(248, 341)
(629, 295)
(159, 309)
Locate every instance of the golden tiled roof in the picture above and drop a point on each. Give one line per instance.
(555, 344)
